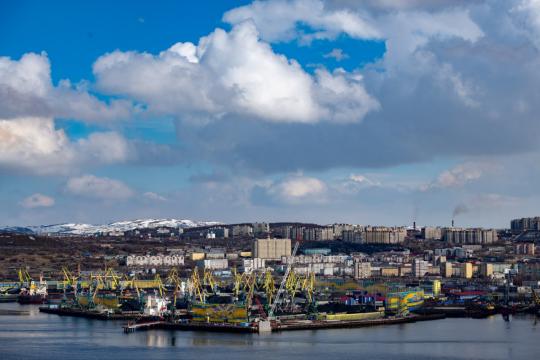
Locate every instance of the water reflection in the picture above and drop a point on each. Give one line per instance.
(44, 336)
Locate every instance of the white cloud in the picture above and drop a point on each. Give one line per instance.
(460, 175)
(297, 189)
(278, 20)
(336, 54)
(33, 145)
(528, 12)
(406, 29)
(37, 200)
(26, 90)
(153, 196)
(233, 73)
(101, 188)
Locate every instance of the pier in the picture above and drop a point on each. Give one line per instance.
(276, 326)
(89, 314)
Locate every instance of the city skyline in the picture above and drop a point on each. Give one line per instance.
(306, 110)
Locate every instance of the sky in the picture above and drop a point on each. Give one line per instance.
(367, 112)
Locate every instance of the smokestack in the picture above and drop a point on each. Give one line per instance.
(414, 225)
(452, 222)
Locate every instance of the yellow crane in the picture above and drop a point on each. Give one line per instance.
(194, 286)
(24, 277)
(269, 286)
(535, 297)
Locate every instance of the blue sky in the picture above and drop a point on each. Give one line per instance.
(304, 110)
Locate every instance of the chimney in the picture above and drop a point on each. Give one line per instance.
(414, 225)
(452, 222)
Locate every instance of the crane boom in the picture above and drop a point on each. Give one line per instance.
(282, 285)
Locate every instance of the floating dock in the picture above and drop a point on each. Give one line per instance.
(191, 326)
(89, 314)
(276, 326)
(341, 324)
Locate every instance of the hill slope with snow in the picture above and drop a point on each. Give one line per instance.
(88, 229)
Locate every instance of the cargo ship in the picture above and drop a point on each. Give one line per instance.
(35, 294)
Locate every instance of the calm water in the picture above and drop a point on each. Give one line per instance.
(42, 336)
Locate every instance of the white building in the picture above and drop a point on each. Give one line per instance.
(251, 265)
(216, 264)
(362, 270)
(420, 267)
(154, 260)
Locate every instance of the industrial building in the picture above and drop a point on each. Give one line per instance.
(272, 248)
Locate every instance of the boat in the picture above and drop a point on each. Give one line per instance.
(9, 295)
(34, 294)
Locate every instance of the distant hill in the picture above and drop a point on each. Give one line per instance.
(88, 229)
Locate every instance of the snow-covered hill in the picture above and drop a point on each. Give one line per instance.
(88, 229)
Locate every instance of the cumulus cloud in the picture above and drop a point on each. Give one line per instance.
(405, 32)
(37, 201)
(296, 189)
(91, 186)
(34, 145)
(233, 74)
(461, 174)
(26, 90)
(444, 91)
(457, 176)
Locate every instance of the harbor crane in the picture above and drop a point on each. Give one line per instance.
(283, 283)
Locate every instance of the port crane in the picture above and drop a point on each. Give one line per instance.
(283, 283)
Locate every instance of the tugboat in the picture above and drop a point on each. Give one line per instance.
(35, 294)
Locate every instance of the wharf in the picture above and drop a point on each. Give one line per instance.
(287, 325)
(340, 324)
(89, 314)
(456, 311)
(191, 326)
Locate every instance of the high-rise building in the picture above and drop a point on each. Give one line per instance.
(524, 248)
(486, 270)
(431, 233)
(420, 267)
(531, 223)
(470, 236)
(467, 270)
(362, 270)
(318, 233)
(260, 229)
(447, 269)
(242, 230)
(375, 235)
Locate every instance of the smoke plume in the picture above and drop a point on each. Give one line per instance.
(460, 209)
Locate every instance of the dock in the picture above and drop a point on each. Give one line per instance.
(89, 314)
(276, 326)
(189, 326)
(342, 324)
(132, 327)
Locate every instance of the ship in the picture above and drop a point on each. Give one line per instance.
(34, 294)
(9, 294)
